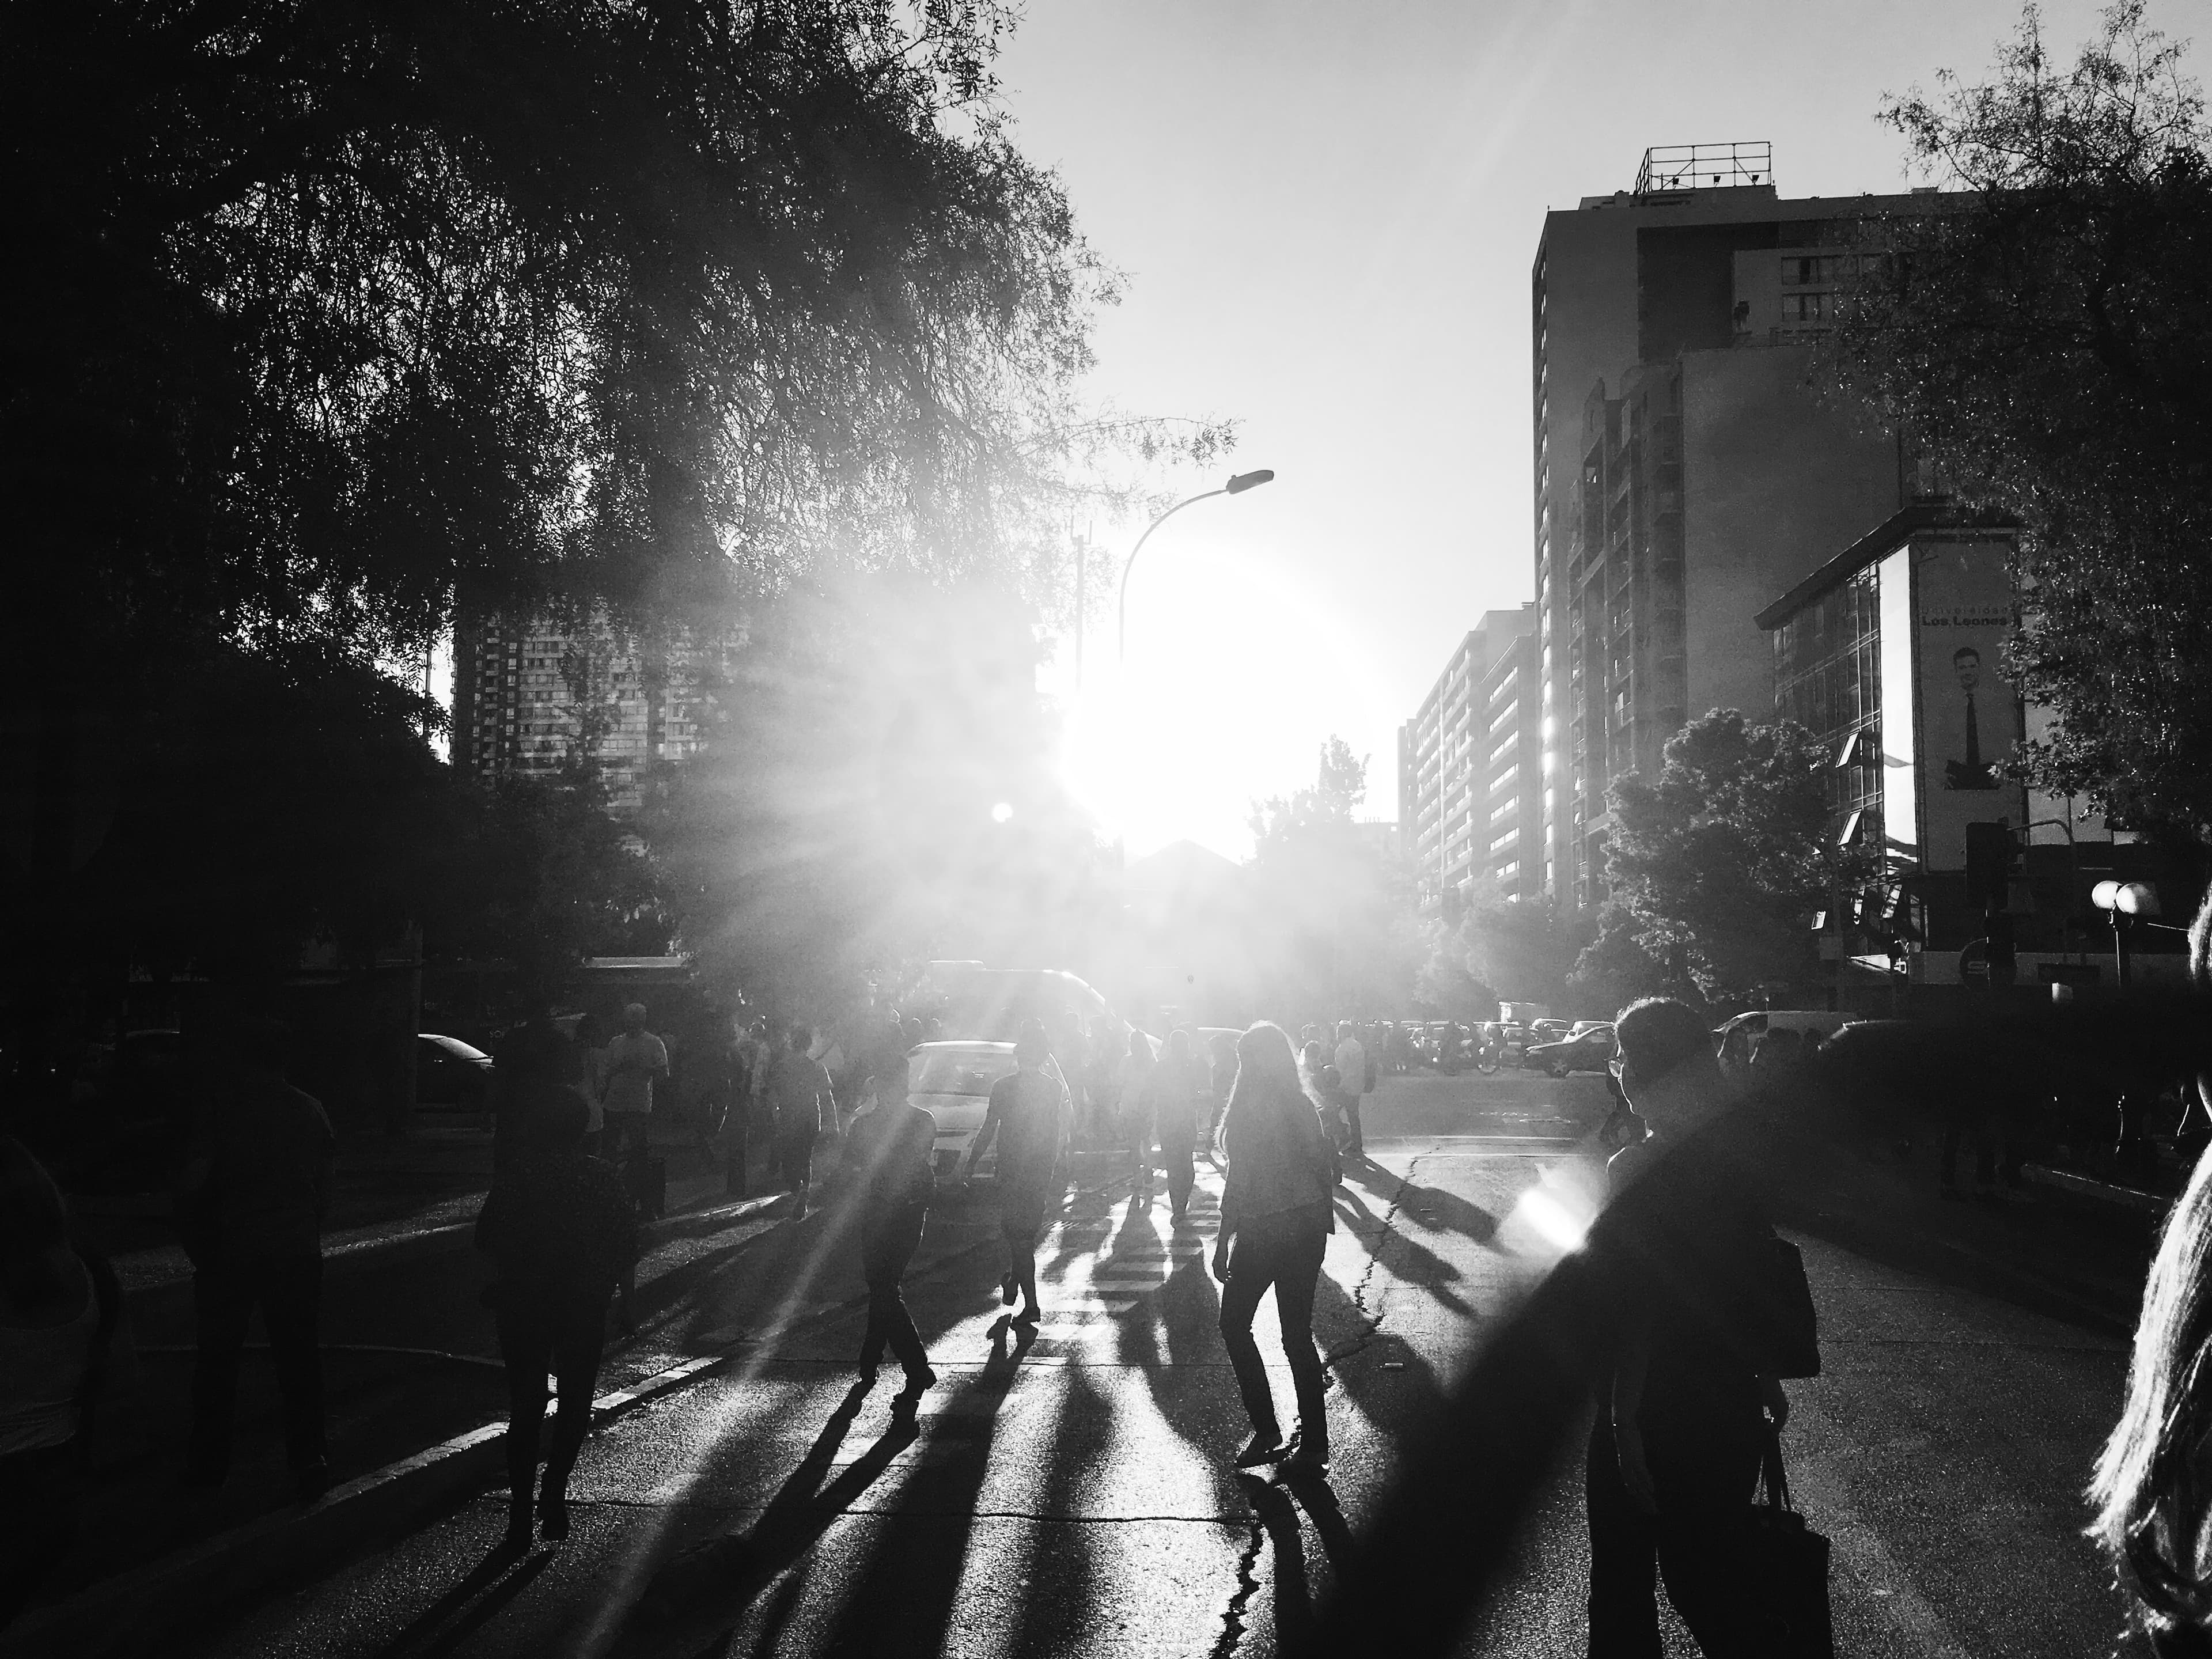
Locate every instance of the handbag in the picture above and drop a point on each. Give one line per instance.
(1790, 1560)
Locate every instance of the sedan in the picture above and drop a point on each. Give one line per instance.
(451, 1075)
(951, 1081)
(1590, 1052)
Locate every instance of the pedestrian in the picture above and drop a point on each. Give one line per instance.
(1352, 1081)
(636, 1061)
(1071, 1050)
(736, 1117)
(1176, 1093)
(1027, 1115)
(563, 1229)
(1108, 1049)
(257, 1183)
(1133, 1087)
(1319, 1076)
(531, 1063)
(799, 1094)
(64, 1344)
(1276, 1217)
(890, 1154)
(1681, 1251)
(2154, 1505)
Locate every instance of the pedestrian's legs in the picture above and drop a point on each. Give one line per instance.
(1299, 1270)
(576, 1330)
(1021, 1230)
(222, 1299)
(1248, 1275)
(1705, 1483)
(1181, 1176)
(1624, 1588)
(291, 1298)
(525, 1348)
(884, 1253)
(1357, 1146)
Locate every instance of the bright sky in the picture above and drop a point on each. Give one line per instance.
(1326, 213)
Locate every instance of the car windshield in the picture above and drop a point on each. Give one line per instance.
(961, 1074)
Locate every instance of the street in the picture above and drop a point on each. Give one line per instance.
(1072, 1495)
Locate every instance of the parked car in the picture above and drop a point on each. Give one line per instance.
(1591, 1051)
(951, 1081)
(1549, 1030)
(451, 1075)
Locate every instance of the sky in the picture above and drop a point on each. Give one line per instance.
(1326, 214)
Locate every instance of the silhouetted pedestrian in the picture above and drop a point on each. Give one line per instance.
(1674, 1457)
(257, 1185)
(1276, 1217)
(533, 1063)
(63, 1342)
(799, 1093)
(591, 1044)
(563, 1229)
(1177, 1101)
(1026, 1117)
(1352, 1081)
(1133, 1089)
(636, 1070)
(889, 1150)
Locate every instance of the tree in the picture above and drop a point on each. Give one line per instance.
(2044, 341)
(1718, 866)
(1337, 903)
(1446, 987)
(345, 311)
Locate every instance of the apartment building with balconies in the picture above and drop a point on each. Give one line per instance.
(1467, 766)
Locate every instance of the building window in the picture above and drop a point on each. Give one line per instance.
(1812, 308)
(1507, 839)
(1805, 270)
(1510, 804)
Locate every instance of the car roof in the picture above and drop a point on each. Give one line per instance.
(454, 1045)
(962, 1045)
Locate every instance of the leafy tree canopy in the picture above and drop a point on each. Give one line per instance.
(343, 310)
(2045, 342)
(1716, 867)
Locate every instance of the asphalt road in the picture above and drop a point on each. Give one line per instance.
(1073, 1495)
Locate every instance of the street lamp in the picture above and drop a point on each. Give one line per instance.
(2124, 902)
(1237, 486)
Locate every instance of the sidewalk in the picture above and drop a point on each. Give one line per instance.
(409, 1354)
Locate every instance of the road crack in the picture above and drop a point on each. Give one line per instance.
(1371, 1319)
(1233, 1617)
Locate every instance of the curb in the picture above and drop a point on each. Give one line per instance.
(2103, 1192)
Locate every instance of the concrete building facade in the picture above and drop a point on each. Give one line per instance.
(530, 694)
(1467, 766)
(1686, 470)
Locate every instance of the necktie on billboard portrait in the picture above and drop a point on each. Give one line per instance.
(1789, 1561)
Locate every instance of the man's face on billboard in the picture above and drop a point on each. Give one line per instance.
(1968, 663)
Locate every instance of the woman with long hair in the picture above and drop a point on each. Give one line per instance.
(2151, 1488)
(1276, 1217)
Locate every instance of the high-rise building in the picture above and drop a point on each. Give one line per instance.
(1686, 469)
(1466, 766)
(529, 694)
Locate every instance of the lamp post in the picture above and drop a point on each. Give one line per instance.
(2124, 902)
(1237, 486)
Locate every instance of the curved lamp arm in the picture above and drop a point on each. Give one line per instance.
(1235, 486)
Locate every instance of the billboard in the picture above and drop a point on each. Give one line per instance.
(1969, 719)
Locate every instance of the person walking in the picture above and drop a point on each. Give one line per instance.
(1222, 1066)
(636, 1062)
(1176, 1104)
(532, 1062)
(889, 1155)
(1027, 1117)
(1132, 1086)
(257, 1183)
(1352, 1083)
(563, 1229)
(1673, 1456)
(63, 1343)
(799, 1094)
(1276, 1217)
